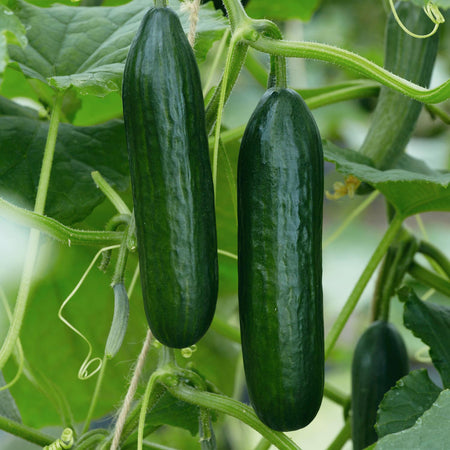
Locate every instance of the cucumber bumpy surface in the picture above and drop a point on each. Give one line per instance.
(171, 180)
(280, 197)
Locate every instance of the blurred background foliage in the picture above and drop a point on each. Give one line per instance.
(56, 353)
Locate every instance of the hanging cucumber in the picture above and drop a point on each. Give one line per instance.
(379, 360)
(395, 115)
(171, 180)
(280, 196)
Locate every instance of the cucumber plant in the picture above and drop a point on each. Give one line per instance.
(196, 182)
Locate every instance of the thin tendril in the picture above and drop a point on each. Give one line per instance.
(83, 373)
(431, 10)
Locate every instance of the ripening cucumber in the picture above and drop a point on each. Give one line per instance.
(171, 180)
(280, 196)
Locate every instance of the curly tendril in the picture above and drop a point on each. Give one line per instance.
(83, 373)
(431, 10)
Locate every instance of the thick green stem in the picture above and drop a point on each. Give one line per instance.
(33, 240)
(352, 301)
(233, 408)
(352, 61)
(24, 432)
(57, 230)
(429, 278)
(236, 13)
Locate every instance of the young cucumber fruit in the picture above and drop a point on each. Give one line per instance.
(379, 360)
(395, 115)
(280, 196)
(171, 180)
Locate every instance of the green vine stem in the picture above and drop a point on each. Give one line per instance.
(436, 255)
(263, 444)
(352, 61)
(153, 392)
(343, 436)
(24, 432)
(161, 3)
(352, 301)
(57, 230)
(33, 240)
(236, 13)
(232, 408)
(110, 193)
(429, 278)
(237, 61)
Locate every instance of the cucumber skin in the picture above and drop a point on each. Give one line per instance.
(171, 180)
(395, 115)
(379, 361)
(280, 197)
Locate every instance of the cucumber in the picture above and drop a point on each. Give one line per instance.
(280, 196)
(171, 181)
(395, 115)
(379, 360)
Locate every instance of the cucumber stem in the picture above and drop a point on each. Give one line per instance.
(33, 240)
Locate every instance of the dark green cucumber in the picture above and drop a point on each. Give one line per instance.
(379, 360)
(280, 196)
(171, 180)
(395, 115)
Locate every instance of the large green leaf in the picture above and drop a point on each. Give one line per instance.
(11, 32)
(282, 10)
(431, 323)
(430, 432)
(412, 188)
(86, 47)
(406, 402)
(72, 193)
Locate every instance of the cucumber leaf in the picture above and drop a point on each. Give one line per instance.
(72, 193)
(406, 402)
(8, 407)
(86, 47)
(285, 10)
(430, 323)
(412, 187)
(11, 32)
(430, 432)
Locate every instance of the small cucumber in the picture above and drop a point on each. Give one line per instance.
(280, 196)
(171, 180)
(379, 360)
